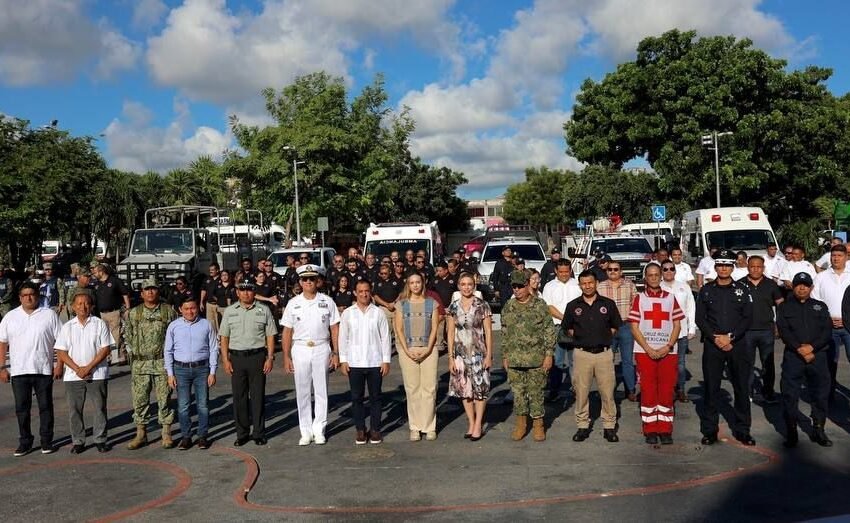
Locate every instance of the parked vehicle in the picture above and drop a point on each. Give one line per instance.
(735, 228)
(384, 238)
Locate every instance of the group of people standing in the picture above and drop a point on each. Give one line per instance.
(413, 308)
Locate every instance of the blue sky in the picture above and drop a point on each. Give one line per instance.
(490, 83)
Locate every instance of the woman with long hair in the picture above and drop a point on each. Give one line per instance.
(470, 333)
(415, 323)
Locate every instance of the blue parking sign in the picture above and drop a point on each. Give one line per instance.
(580, 224)
(659, 213)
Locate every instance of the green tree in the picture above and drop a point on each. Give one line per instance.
(790, 138)
(541, 198)
(357, 163)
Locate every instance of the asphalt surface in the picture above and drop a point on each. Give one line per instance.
(448, 479)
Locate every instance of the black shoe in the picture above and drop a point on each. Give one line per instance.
(666, 439)
(467, 435)
(22, 450)
(709, 440)
(746, 439)
(185, 444)
(48, 448)
(78, 449)
(581, 435)
(770, 398)
(819, 436)
(791, 439)
(241, 441)
(651, 438)
(610, 435)
(260, 441)
(203, 443)
(102, 447)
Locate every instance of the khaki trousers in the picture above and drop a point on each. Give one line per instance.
(113, 321)
(213, 316)
(586, 367)
(420, 386)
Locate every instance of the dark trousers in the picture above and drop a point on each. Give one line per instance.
(762, 341)
(740, 369)
(23, 387)
(795, 372)
(249, 389)
(76, 393)
(358, 379)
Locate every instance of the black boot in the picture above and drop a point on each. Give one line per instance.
(819, 436)
(791, 437)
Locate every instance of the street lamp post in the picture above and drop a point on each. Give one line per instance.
(295, 164)
(710, 141)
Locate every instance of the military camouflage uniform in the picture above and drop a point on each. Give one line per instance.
(145, 338)
(527, 338)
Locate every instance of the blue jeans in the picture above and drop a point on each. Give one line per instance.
(188, 379)
(625, 342)
(682, 350)
(839, 337)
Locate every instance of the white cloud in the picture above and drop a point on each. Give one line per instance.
(118, 54)
(621, 24)
(133, 144)
(148, 13)
(210, 53)
(494, 126)
(43, 41)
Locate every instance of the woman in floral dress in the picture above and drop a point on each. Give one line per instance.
(470, 339)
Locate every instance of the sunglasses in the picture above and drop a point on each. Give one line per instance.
(517, 285)
(669, 269)
(308, 278)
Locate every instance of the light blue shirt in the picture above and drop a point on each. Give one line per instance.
(188, 342)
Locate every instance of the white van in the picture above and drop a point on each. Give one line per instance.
(659, 234)
(384, 238)
(735, 228)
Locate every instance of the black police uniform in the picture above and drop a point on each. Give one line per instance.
(760, 334)
(445, 287)
(501, 279)
(178, 297)
(371, 272)
(109, 295)
(344, 298)
(548, 272)
(225, 294)
(388, 290)
(725, 309)
(806, 322)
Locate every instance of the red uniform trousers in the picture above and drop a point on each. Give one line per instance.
(657, 383)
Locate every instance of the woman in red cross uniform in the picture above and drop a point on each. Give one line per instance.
(655, 320)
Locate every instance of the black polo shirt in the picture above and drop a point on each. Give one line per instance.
(274, 280)
(354, 277)
(371, 272)
(344, 298)
(225, 295)
(445, 287)
(109, 294)
(592, 323)
(764, 297)
(388, 290)
(209, 286)
(265, 290)
(178, 298)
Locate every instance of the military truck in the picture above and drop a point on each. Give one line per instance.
(183, 240)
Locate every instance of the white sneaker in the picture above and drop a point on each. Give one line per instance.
(319, 439)
(304, 441)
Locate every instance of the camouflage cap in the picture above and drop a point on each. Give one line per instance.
(84, 272)
(519, 278)
(150, 283)
(82, 291)
(93, 264)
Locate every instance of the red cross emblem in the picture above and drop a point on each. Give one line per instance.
(657, 315)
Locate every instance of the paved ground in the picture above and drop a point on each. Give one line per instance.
(449, 479)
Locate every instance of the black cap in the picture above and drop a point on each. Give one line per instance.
(519, 261)
(556, 251)
(246, 284)
(802, 278)
(725, 257)
(604, 258)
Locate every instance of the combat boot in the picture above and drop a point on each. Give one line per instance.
(538, 430)
(819, 436)
(167, 442)
(140, 440)
(520, 428)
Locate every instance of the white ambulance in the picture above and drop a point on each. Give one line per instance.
(735, 228)
(384, 238)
